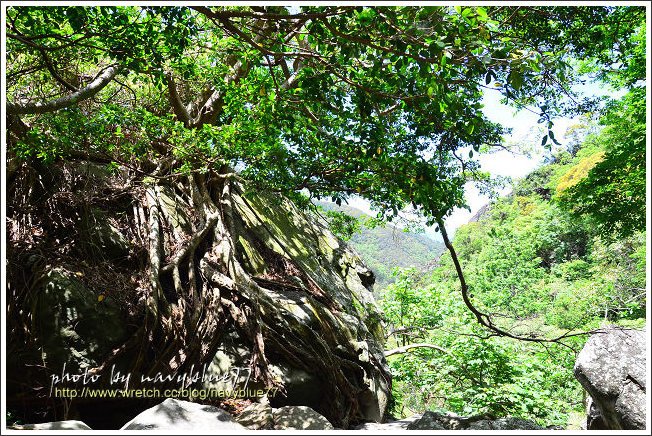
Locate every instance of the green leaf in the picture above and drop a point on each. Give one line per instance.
(516, 80)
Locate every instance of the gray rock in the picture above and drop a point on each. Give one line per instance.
(256, 416)
(82, 329)
(399, 425)
(611, 367)
(56, 425)
(438, 421)
(594, 419)
(429, 421)
(299, 418)
(509, 423)
(176, 416)
(102, 240)
(308, 243)
(315, 296)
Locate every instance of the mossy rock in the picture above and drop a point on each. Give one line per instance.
(71, 325)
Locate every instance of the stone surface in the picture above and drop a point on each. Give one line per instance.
(438, 421)
(176, 416)
(611, 367)
(256, 416)
(82, 329)
(56, 425)
(594, 419)
(345, 323)
(398, 425)
(299, 418)
(321, 328)
(509, 423)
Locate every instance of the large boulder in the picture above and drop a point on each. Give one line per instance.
(395, 426)
(295, 258)
(611, 367)
(256, 416)
(262, 286)
(71, 325)
(183, 416)
(261, 416)
(299, 418)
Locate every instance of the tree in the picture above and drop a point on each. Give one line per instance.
(321, 107)
(209, 102)
(613, 191)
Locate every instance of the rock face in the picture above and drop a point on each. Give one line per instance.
(83, 328)
(280, 238)
(395, 426)
(179, 416)
(611, 367)
(438, 421)
(256, 416)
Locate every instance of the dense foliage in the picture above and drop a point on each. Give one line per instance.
(297, 100)
(565, 252)
(538, 270)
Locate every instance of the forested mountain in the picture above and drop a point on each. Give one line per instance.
(385, 247)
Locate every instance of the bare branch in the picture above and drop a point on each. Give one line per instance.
(483, 318)
(55, 73)
(406, 348)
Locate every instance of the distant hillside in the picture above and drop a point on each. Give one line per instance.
(384, 248)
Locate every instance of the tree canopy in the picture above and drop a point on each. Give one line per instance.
(382, 102)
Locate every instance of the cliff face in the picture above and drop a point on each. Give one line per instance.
(110, 272)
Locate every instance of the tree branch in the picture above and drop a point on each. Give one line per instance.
(406, 348)
(483, 318)
(175, 100)
(270, 15)
(50, 66)
(69, 100)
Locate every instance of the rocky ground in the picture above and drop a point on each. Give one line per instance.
(181, 416)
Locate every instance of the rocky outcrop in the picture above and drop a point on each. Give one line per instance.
(257, 416)
(446, 422)
(73, 327)
(611, 367)
(395, 426)
(192, 273)
(290, 253)
(182, 416)
(437, 421)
